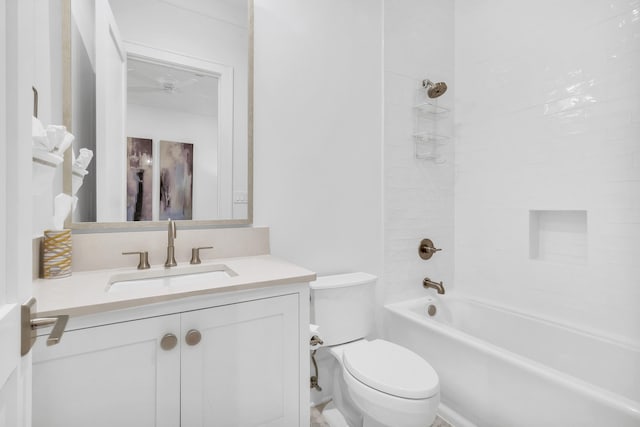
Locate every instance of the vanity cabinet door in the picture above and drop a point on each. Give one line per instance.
(113, 375)
(244, 368)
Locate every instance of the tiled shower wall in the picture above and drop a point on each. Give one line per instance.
(547, 188)
(418, 194)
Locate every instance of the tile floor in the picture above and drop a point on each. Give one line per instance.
(439, 422)
(317, 420)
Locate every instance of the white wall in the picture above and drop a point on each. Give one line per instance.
(418, 193)
(548, 119)
(171, 125)
(318, 147)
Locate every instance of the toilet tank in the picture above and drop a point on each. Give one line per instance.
(342, 305)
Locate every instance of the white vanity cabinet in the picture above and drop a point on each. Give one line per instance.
(233, 364)
(111, 375)
(244, 370)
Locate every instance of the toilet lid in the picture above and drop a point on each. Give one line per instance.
(391, 369)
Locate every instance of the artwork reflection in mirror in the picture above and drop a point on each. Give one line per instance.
(139, 179)
(143, 72)
(176, 180)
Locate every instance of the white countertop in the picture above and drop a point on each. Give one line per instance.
(85, 292)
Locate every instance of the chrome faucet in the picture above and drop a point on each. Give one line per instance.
(428, 283)
(172, 234)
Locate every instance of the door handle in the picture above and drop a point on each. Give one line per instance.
(30, 324)
(58, 322)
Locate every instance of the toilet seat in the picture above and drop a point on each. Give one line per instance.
(391, 369)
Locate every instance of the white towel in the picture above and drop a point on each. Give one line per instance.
(83, 159)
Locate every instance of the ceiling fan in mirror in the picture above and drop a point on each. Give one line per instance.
(168, 84)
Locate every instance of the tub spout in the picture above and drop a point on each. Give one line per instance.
(428, 283)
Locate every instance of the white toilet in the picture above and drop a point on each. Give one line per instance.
(376, 383)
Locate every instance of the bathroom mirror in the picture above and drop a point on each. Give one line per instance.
(160, 91)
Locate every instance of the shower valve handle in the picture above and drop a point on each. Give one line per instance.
(427, 249)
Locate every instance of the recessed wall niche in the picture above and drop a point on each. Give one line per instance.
(558, 236)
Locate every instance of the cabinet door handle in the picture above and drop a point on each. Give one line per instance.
(193, 337)
(168, 342)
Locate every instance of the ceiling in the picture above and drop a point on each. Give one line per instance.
(170, 87)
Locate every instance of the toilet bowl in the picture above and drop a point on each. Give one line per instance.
(389, 384)
(382, 383)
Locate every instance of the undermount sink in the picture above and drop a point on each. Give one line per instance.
(171, 278)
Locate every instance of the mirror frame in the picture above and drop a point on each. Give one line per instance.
(145, 225)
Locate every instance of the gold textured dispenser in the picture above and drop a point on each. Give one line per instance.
(56, 254)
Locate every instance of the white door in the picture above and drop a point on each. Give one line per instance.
(8, 309)
(15, 198)
(111, 107)
(244, 369)
(123, 374)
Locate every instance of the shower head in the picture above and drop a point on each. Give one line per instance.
(434, 90)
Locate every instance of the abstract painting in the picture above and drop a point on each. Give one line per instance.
(176, 180)
(139, 179)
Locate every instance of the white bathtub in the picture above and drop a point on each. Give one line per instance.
(501, 368)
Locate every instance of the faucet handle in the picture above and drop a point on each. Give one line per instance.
(195, 254)
(143, 264)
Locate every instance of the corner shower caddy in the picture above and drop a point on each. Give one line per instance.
(426, 136)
